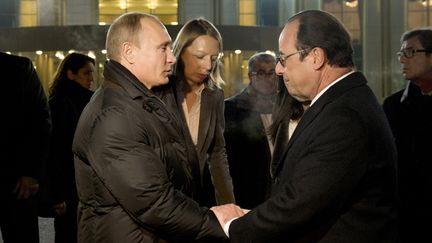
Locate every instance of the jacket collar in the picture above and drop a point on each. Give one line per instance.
(412, 91)
(118, 74)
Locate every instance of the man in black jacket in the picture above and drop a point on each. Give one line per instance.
(134, 174)
(25, 132)
(336, 180)
(409, 112)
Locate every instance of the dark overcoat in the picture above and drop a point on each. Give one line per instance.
(336, 181)
(410, 118)
(134, 176)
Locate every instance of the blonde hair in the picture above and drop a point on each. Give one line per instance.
(124, 29)
(188, 33)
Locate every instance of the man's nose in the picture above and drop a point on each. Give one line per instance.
(279, 69)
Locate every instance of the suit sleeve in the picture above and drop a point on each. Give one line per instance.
(218, 166)
(323, 174)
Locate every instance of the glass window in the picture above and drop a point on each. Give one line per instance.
(419, 13)
(348, 13)
(28, 13)
(166, 10)
(247, 12)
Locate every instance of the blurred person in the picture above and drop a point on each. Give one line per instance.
(336, 179)
(24, 145)
(409, 112)
(248, 116)
(286, 115)
(133, 172)
(195, 91)
(69, 94)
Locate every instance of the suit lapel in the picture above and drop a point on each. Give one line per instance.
(307, 118)
(352, 80)
(206, 112)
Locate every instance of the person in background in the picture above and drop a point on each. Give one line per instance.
(195, 91)
(248, 116)
(409, 112)
(25, 133)
(134, 176)
(69, 94)
(286, 115)
(336, 179)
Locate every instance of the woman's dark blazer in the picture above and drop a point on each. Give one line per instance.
(211, 144)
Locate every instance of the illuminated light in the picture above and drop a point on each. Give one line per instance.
(104, 51)
(351, 3)
(100, 65)
(174, 23)
(59, 55)
(123, 4)
(102, 23)
(237, 51)
(221, 55)
(39, 52)
(91, 54)
(71, 51)
(153, 4)
(242, 66)
(425, 3)
(8, 52)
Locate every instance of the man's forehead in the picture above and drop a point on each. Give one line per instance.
(152, 29)
(288, 35)
(413, 41)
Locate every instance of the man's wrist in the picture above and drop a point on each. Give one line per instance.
(227, 225)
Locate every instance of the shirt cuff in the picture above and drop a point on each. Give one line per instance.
(227, 225)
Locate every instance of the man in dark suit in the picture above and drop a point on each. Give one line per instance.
(24, 133)
(409, 112)
(248, 116)
(336, 181)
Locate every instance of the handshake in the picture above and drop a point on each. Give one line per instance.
(227, 212)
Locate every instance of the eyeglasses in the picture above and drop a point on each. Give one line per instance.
(262, 74)
(282, 58)
(408, 53)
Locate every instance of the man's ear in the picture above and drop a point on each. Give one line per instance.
(128, 52)
(319, 57)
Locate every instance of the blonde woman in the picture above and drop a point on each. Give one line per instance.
(194, 92)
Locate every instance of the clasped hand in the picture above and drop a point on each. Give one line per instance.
(224, 213)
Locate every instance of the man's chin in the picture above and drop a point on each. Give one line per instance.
(300, 98)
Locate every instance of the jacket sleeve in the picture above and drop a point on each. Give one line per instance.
(37, 127)
(218, 163)
(135, 175)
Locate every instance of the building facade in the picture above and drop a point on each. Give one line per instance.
(46, 30)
